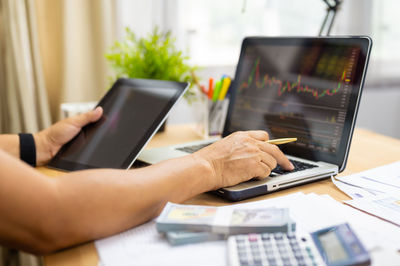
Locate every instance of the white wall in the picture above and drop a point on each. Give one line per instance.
(379, 111)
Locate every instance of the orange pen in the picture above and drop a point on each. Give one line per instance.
(210, 88)
(203, 89)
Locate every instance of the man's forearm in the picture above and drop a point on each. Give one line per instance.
(109, 201)
(40, 214)
(10, 144)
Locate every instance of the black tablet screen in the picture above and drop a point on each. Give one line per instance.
(133, 109)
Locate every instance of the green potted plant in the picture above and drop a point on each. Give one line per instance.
(152, 57)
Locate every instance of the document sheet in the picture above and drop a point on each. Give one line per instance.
(376, 191)
(143, 245)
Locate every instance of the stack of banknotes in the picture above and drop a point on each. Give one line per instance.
(183, 224)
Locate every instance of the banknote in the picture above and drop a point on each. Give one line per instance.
(223, 220)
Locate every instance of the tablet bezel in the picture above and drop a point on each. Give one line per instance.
(58, 162)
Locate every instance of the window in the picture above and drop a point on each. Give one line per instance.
(386, 36)
(211, 31)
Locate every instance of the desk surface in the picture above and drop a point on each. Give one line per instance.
(368, 150)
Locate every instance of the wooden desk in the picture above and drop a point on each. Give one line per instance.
(368, 150)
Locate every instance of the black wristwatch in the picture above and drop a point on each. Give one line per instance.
(27, 149)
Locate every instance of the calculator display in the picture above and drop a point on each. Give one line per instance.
(339, 246)
(333, 247)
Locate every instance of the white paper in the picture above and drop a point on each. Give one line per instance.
(355, 192)
(144, 246)
(388, 208)
(384, 180)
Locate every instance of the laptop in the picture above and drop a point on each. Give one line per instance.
(303, 87)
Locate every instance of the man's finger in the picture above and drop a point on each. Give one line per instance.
(86, 118)
(277, 154)
(269, 160)
(96, 114)
(258, 135)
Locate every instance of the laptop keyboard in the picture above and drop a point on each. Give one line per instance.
(298, 166)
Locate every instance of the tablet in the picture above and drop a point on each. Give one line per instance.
(134, 109)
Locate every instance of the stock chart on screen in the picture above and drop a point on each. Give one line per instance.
(296, 91)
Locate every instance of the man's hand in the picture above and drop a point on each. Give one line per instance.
(242, 156)
(50, 140)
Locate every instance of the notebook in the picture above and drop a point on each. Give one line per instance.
(303, 87)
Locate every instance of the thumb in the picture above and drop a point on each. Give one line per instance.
(88, 117)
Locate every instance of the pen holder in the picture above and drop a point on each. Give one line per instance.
(217, 112)
(200, 115)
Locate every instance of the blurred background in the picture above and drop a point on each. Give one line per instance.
(52, 51)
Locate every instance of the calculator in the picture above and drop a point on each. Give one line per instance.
(332, 246)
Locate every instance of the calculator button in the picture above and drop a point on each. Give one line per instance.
(241, 244)
(243, 260)
(284, 254)
(253, 238)
(265, 236)
(242, 254)
(267, 246)
(298, 254)
(255, 254)
(241, 238)
(295, 247)
(270, 255)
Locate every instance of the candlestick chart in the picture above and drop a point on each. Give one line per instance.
(290, 103)
(267, 81)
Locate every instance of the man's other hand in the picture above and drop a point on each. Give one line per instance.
(49, 141)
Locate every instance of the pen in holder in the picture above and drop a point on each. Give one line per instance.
(217, 111)
(217, 104)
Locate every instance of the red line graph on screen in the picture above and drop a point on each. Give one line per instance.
(286, 86)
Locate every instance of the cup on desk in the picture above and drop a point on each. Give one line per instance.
(200, 115)
(217, 103)
(216, 116)
(71, 109)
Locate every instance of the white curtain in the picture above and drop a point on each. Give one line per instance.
(23, 97)
(74, 36)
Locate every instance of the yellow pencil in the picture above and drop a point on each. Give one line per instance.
(281, 141)
(224, 88)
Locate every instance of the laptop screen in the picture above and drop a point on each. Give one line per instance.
(306, 88)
